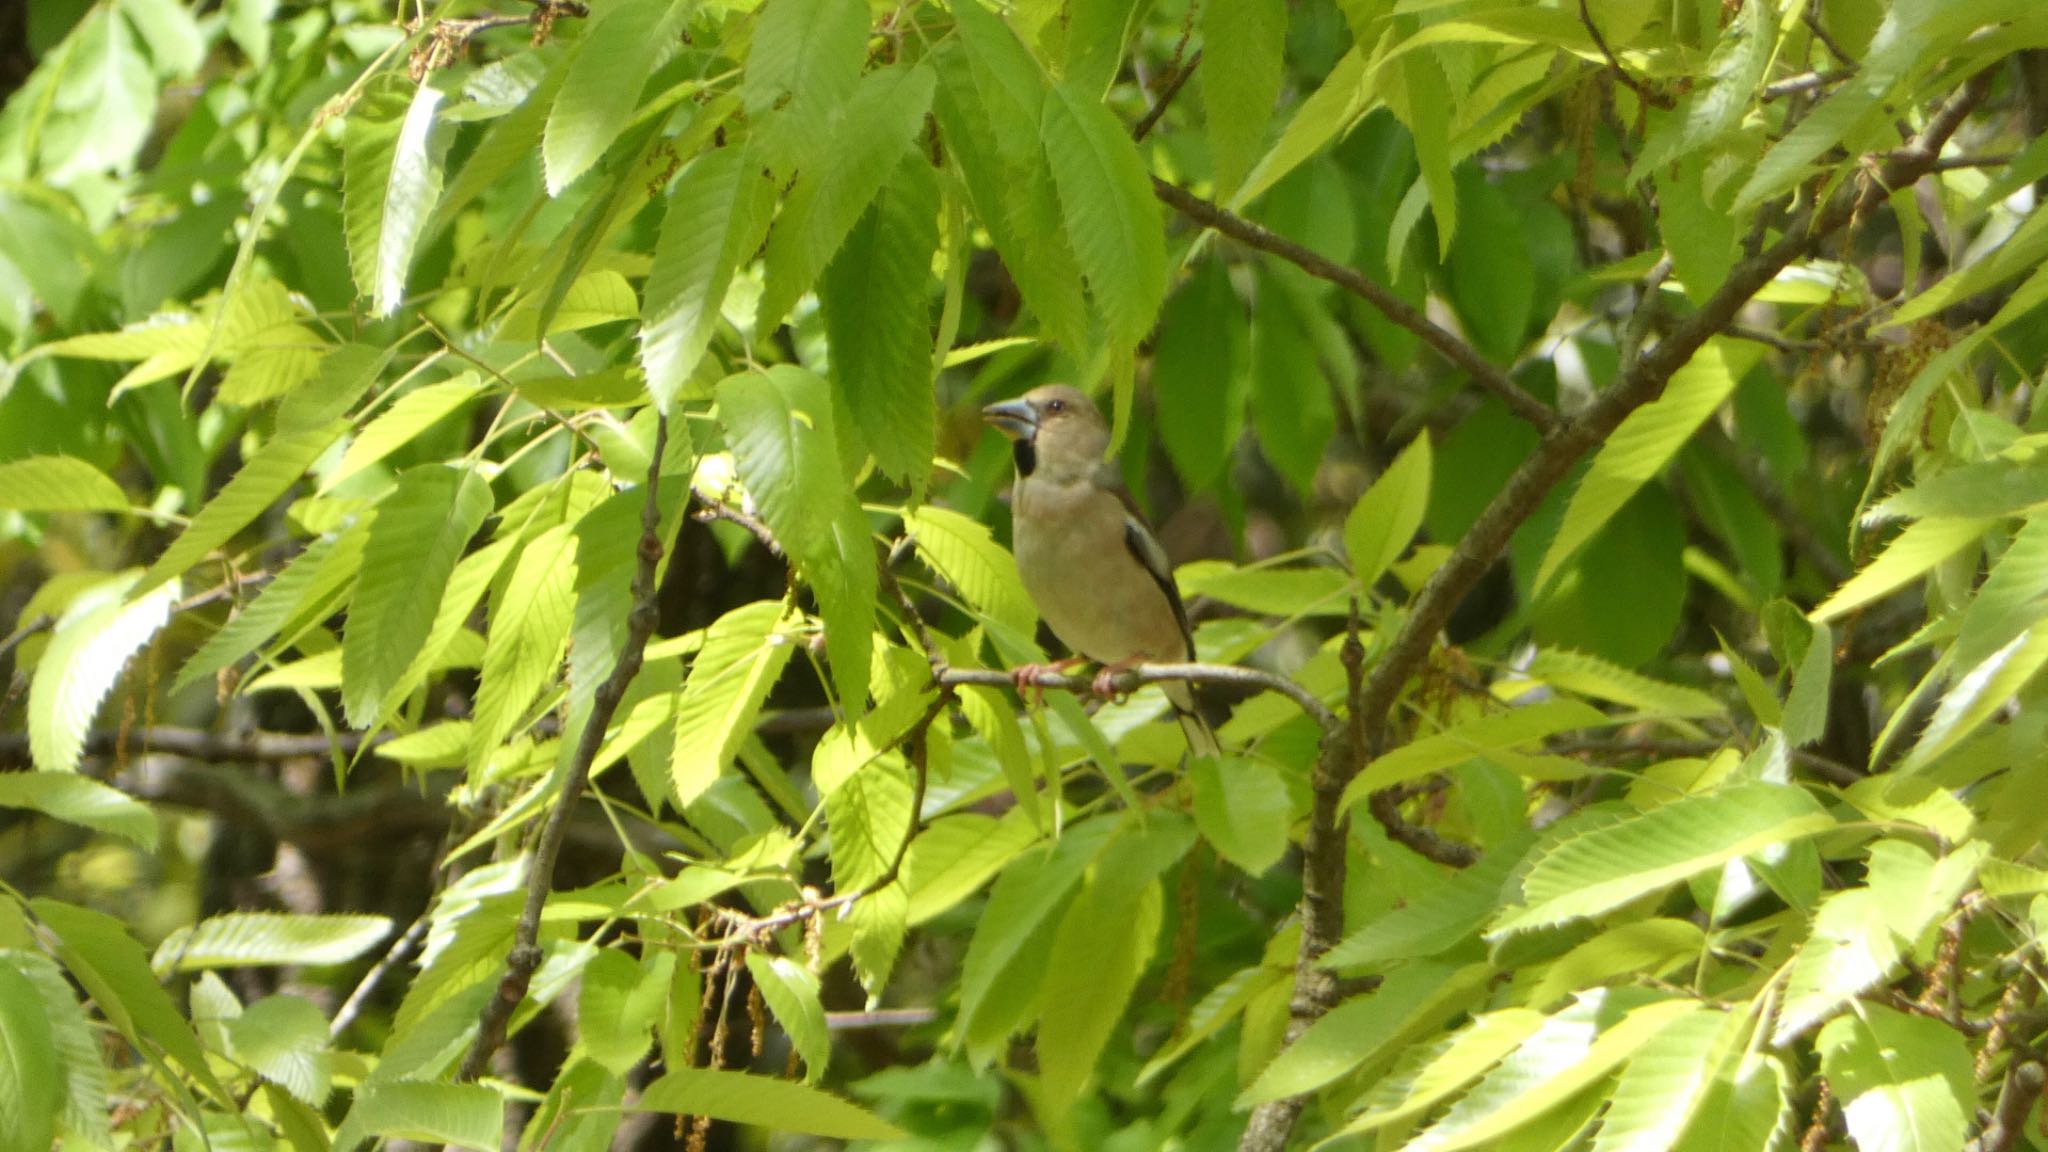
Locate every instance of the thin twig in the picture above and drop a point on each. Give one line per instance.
(42, 623)
(879, 1018)
(2016, 1098)
(1643, 91)
(1820, 32)
(526, 955)
(1953, 163)
(1173, 87)
(1446, 343)
(1155, 674)
(367, 987)
(1804, 82)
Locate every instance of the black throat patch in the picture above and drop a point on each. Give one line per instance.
(1026, 455)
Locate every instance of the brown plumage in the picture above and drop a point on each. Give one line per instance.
(1088, 559)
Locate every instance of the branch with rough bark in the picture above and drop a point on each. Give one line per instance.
(526, 955)
(1643, 380)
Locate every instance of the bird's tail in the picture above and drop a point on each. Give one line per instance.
(1201, 738)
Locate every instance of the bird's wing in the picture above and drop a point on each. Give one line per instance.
(1146, 550)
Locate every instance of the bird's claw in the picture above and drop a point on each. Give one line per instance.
(1025, 677)
(1105, 685)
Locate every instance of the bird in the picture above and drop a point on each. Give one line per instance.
(1087, 558)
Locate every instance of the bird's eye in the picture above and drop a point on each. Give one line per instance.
(1056, 406)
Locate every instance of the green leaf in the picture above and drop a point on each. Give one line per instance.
(1433, 921)
(805, 52)
(1563, 1057)
(1387, 517)
(459, 1115)
(1979, 694)
(94, 639)
(1094, 33)
(601, 86)
(1907, 36)
(1334, 108)
(83, 801)
(955, 855)
(777, 1105)
(1472, 738)
(2008, 603)
(1737, 68)
(1243, 62)
(1217, 1008)
(744, 653)
(257, 485)
(403, 422)
(1849, 951)
(876, 295)
(1665, 1083)
(1746, 1110)
(715, 219)
(963, 553)
(1981, 490)
(1242, 808)
(1421, 97)
(1912, 554)
(1637, 452)
(392, 147)
(529, 631)
(261, 939)
(301, 592)
(346, 372)
(284, 1038)
(1268, 591)
(1111, 217)
(109, 965)
(1364, 1027)
(779, 425)
(58, 484)
(618, 1004)
(1590, 676)
(1201, 375)
(1290, 396)
(2021, 252)
(1614, 862)
(419, 532)
(1905, 1082)
(989, 79)
(1100, 950)
(792, 994)
(1643, 947)
(1701, 240)
(1006, 960)
(1806, 705)
(867, 140)
(79, 1049)
(31, 1091)
(1428, 1076)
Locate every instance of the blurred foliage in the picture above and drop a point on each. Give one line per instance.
(342, 350)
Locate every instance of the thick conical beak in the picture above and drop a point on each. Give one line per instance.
(1013, 418)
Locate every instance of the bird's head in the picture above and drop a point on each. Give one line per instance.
(1055, 432)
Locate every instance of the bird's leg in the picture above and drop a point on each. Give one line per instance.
(1025, 677)
(1105, 680)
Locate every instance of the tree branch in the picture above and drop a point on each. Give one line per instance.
(1155, 674)
(1447, 344)
(1173, 87)
(525, 956)
(1486, 541)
